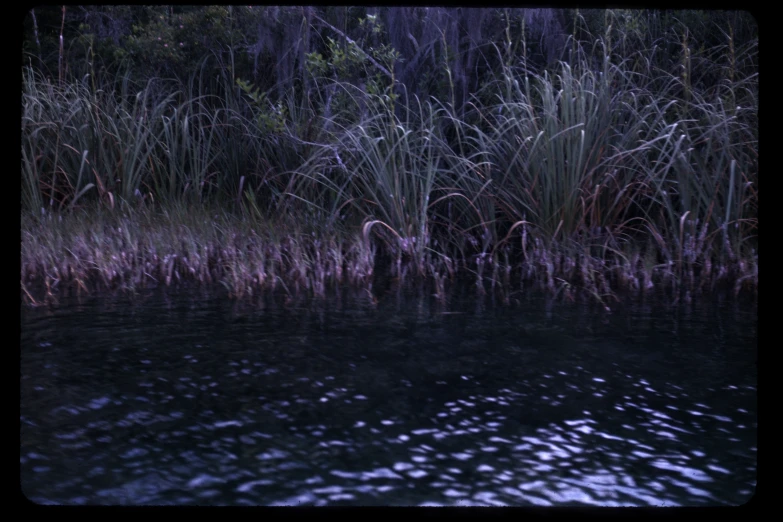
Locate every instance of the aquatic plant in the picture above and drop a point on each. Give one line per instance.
(601, 174)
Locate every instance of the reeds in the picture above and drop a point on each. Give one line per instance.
(621, 177)
(139, 249)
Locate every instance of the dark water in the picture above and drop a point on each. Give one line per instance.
(189, 400)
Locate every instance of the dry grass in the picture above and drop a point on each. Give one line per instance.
(97, 251)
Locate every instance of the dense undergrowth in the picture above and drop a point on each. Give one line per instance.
(602, 175)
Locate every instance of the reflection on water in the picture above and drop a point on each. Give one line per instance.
(184, 400)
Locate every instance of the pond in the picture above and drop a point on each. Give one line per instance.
(181, 398)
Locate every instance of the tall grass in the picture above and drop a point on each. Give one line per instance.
(601, 175)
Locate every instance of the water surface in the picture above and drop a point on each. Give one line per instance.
(185, 399)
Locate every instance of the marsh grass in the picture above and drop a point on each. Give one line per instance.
(585, 179)
(137, 249)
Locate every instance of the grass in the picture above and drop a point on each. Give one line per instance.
(628, 177)
(137, 249)
(97, 250)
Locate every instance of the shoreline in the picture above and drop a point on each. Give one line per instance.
(92, 251)
(614, 170)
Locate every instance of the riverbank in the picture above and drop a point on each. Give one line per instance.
(96, 250)
(578, 180)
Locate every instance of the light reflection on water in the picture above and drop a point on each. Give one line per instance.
(186, 403)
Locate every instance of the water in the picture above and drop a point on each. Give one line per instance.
(182, 399)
